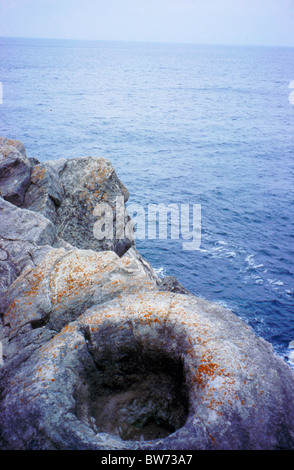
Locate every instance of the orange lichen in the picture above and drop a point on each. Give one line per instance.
(11, 142)
(38, 173)
(74, 274)
(5, 148)
(204, 372)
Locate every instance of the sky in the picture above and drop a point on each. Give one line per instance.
(236, 22)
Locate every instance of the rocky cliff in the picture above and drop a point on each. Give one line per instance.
(98, 352)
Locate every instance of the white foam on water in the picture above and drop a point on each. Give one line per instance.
(160, 272)
(220, 250)
(275, 282)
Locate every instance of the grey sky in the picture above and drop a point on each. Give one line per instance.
(256, 22)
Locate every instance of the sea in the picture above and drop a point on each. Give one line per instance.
(182, 124)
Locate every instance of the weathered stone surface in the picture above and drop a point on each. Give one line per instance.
(99, 353)
(67, 192)
(87, 182)
(170, 283)
(220, 386)
(15, 170)
(45, 193)
(23, 236)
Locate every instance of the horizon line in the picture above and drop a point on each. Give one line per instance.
(138, 41)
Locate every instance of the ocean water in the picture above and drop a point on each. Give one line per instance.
(182, 124)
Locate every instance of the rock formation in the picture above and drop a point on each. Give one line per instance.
(98, 352)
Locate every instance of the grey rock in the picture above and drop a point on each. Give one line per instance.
(12, 144)
(100, 353)
(24, 225)
(23, 236)
(151, 370)
(171, 283)
(67, 192)
(45, 192)
(142, 265)
(15, 170)
(88, 182)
